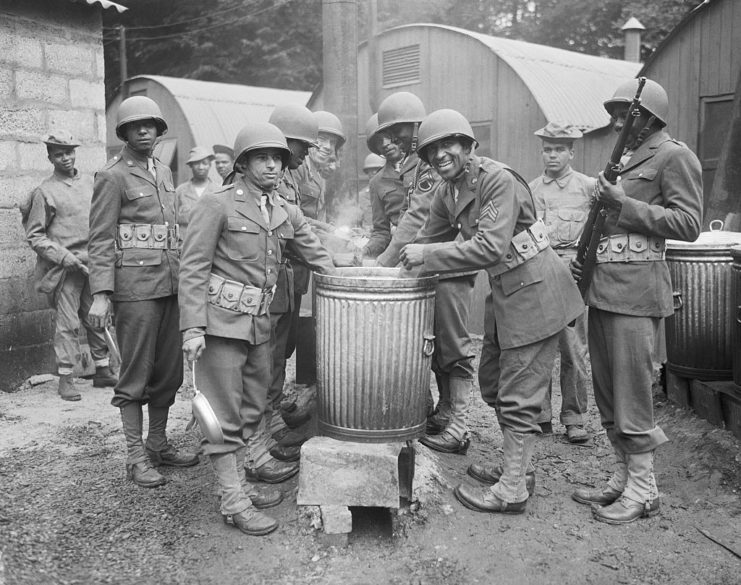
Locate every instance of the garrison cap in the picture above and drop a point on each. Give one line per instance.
(223, 149)
(60, 137)
(199, 153)
(558, 131)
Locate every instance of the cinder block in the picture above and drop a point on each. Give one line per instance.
(6, 85)
(41, 87)
(336, 519)
(22, 122)
(17, 261)
(14, 192)
(678, 389)
(87, 94)
(344, 473)
(76, 59)
(32, 157)
(20, 49)
(81, 123)
(7, 155)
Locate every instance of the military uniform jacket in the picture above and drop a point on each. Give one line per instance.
(186, 197)
(55, 218)
(387, 201)
(419, 181)
(531, 301)
(663, 184)
(563, 205)
(228, 237)
(311, 187)
(125, 192)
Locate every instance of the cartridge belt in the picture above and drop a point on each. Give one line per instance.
(238, 297)
(148, 235)
(630, 248)
(525, 245)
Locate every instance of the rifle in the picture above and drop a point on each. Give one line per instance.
(586, 252)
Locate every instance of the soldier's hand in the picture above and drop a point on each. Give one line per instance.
(72, 262)
(612, 195)
(412, 255)
(99, 311)
(193, 348)
(576, 269)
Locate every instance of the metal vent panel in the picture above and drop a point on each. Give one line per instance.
(401, 66)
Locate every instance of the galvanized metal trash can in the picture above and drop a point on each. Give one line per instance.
(698, 335)
(374, 342)
(736, 314)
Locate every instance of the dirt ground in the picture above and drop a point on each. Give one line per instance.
(69, 516)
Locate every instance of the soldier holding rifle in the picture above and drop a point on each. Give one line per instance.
(658, 195)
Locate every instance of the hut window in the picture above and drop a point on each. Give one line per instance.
(401, 66)
(482, 133)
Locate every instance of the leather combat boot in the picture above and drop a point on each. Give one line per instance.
(438, 420)
(104, 377)
(159, 450)
(640, 499)
(605, 496)
(138, 467)
(260, 499)
(67, 389)
(577, 434)
(454, 439)
(490, 474)
(485, 501)
(272, 471)
(294, 415)
(236, 508)
(286, 453)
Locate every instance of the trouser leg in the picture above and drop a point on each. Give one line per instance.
(95, 337)
(574, 372)
(66, 341)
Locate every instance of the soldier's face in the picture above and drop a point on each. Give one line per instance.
(200, 168)
(299, 149)
(400, 136)
(63, 159)
(556, 157)
(141, 135)
(620, 114)
(263, 167)
(223, 163)
(448, 157)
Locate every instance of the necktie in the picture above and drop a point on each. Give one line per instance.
(151, 168)
(264, 208)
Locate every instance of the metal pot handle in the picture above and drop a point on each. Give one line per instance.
(429, 345)
(678, 303)
(716, 225)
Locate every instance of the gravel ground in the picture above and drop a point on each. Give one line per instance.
(69, 516)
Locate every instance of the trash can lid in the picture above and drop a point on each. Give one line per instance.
(716, 238)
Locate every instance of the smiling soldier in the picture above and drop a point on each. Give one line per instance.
(532, 298)
(231, 255)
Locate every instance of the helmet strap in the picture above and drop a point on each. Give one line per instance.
(645, 131)
(413, 146)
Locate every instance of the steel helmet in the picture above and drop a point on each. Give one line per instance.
(373, 161)
(400, 108)
(136, 108)
(442, 124)
(371, 134)
(330, 124)
(653, 98)
(261, 135)
(296, 122)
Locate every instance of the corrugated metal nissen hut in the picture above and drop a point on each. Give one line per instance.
(199, 113)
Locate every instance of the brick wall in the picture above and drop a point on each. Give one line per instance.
(51, 75)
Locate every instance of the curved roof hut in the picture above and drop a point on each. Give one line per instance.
(200, 113)
(506, 88)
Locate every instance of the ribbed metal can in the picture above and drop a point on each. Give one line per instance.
(374, 342)
(736, 314)
(698, 335)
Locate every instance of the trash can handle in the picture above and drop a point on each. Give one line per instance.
(738, 314)
(678, 304)
(429, 345)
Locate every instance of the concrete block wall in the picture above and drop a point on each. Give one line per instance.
(51, 75)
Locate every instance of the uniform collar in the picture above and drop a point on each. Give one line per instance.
(66, 179)
(561, 181)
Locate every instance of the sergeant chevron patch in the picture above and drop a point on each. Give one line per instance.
(489, 211)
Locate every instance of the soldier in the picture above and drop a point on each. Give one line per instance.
(399, 116)
(231, 255)
(386, 189)
(134, 261)
(532, 295)
(265, 460)
(372, 164)
(223, 160)
(187, 193)
(55, 218)
(562, 199)
(658, 196)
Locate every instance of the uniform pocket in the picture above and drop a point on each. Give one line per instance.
(520, 277)
(243, 239)
(570, 224)
(144, 190)
(141, 257)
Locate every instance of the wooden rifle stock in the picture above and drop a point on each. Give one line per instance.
(586, 251)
